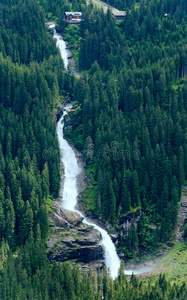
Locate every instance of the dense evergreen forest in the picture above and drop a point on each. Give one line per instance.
(133, 115)
(132, 99)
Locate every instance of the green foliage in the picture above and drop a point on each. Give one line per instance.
(123, 5)
(72, 36)
(28, 275)
(133, 118)
(30, 87)
(133, 115)
(173, 264)
(90, 194)
(132, 240)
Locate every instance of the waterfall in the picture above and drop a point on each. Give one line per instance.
(62, 47)
(69, 190)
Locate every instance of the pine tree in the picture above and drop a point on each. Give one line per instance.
(2, 222)
(132, 240)
(125, 197)
(43, 221)
(45, 181)
(26, 223)
(112, 205)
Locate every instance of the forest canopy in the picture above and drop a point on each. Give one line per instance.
(131, 128)
(133, 114)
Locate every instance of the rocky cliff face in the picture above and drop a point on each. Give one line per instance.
(182, 218)
(73, 240)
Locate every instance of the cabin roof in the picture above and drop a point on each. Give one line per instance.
(75, 14)
(118, 14)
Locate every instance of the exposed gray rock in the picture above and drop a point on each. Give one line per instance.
(72, 218)
(59, 221)
(66, 217)
(182, 218)
(127, 221)
(114, 237)
(91, 238)
(73, 239)
(84, 254)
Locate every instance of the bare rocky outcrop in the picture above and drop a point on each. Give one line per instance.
(182, 218)
(126, 222)
(72, 239)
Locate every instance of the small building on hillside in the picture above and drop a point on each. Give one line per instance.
(119, 16)
(73, 17)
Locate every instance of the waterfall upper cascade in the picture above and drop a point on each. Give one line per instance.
(61, 45)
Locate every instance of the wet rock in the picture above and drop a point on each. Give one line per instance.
(72, 218)
(114, 237)
(66, 217)
(91, 253)
(59, 221)
(83, 254)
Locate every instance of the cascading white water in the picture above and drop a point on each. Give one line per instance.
(69, 190)
(69, 194)
(62, 46)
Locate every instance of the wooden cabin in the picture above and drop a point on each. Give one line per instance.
(73, 17)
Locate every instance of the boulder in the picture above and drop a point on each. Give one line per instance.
(72, 218)
(59, 221)
(63, 217)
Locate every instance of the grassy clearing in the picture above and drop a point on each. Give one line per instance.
(176, 263)
(173, 265)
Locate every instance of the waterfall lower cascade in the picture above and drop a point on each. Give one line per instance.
(69, 195)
